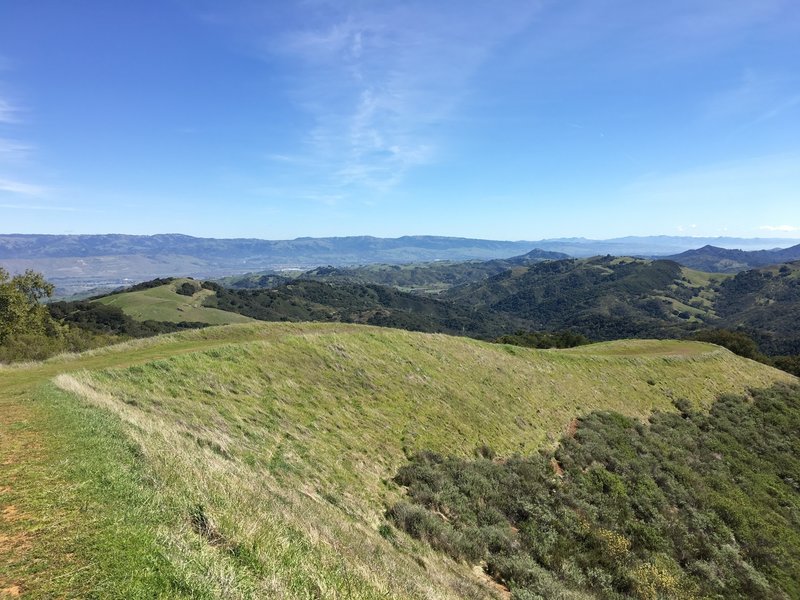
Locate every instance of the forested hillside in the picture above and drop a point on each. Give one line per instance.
(766, 304)
(603, 297)
(308, 300)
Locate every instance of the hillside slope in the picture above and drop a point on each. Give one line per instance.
(765, 303)
(602, 297)
(164, 303)
(265, 451)
(417, 277)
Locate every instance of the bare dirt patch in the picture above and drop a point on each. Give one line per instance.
(15, 542)
(572, 428)
(500, 590)
(10, 513)
(13, 591)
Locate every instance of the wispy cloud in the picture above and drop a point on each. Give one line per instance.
(8, 112)
(756, 98)
(783, 228)
(19, 187)
(750, 179)
(13, 150)
(378, 79)
(39, 207)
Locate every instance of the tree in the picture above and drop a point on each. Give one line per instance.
(21, 312)
(737, 342)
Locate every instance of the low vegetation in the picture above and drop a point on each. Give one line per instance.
(686, 505)
(27, 331)
(544, 340)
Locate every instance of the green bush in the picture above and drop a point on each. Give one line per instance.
(689, 504)
(187, 288)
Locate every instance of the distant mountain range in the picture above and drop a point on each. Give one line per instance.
(143, 257)
(713, 259)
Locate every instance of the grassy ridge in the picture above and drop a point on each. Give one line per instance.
(265, 451)
(163, 303)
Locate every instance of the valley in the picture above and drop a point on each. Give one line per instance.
(255, 436)
(399, 300)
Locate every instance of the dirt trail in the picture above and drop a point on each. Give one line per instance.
(18, 447)
(24, 447)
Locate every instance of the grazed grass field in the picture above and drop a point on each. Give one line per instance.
(255, 460)
(163, 303)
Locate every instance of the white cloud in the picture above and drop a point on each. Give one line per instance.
(784, 228)
(377, 79)
(13, 151)
(7, 112)
(19, 187)
(38, 207)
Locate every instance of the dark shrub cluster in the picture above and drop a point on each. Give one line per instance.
(691, 504)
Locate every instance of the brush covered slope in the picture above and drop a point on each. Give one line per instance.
(765, 303)
(349, 302)
(603, 297)
(257, 460)
(690, 504)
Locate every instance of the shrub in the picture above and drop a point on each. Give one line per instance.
(692, 504)
(187, 288)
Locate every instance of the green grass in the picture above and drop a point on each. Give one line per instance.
(703, 279)
(163, 303)
(280, 440)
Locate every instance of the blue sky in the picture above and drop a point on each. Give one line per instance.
(505, 120)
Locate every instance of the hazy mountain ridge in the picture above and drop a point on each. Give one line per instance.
(714, 259)
(76, 263)
(359, 249)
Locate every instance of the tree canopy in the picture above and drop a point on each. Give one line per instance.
(21, 312)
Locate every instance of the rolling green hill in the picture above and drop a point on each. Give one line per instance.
(164, 303)
(256, 460)
(602, 297)
(418, 277)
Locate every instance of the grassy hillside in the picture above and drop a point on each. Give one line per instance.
(164, 303)
(256, 460)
